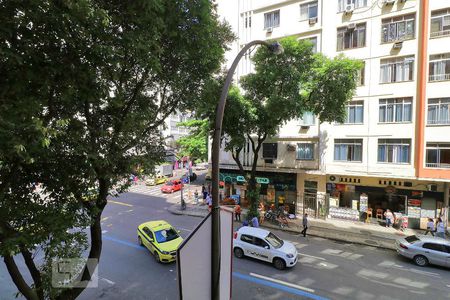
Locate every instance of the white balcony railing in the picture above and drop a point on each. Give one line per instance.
(438, 77)
(438, 165)
(440, 33)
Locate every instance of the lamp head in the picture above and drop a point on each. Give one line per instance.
(276, 48)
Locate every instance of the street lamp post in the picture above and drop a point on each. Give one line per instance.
(215, 216)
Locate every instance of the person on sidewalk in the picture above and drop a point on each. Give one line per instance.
(237, 212)
(430, 227)
(389, 218)
(204, 193)
(209, 202)
(305, 225)
(261, 212)
(196, 197)
(255, 222)
(440, 229)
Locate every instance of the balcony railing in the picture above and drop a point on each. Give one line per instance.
(438, 77)
(438, 165)
(440, 33)
(438, 122)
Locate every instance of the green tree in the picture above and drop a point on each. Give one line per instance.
(282, 88)
(195, 145)
(89, 84)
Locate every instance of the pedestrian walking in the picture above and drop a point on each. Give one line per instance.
(389, 218)
(237, 212)
(440, 229)
(209, 202)
(204, 193)
(261, 212)
(305, 225)
(430, 227)
(255, 222)
(196, 197)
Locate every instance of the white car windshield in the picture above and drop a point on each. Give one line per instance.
(166, 235)
(275, 241)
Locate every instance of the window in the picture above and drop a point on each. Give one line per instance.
(355, 112)
(270, 150)
(398, 28)
(438, 111)
(247, 238)
(397, 69)
(148, 232)
(361, 75)
(394, 151)
(356, 3)
(313, 40)
(439, 67)
(272, 19)
(397, 110)
(351, 37)
(261, 243)
(440, 23)
(438, 155)
(250, 22)
(305, 151)
(347, 150)
(308, 11)
(308, 119)
(435, 247)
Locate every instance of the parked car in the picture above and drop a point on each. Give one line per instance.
(172, 186)
(264, 245)
(158, 179)
(424, 250)
(160, 238)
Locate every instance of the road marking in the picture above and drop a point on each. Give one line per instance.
(184, 229)
(120, 203)
(278, 286)
(448, 285)
(104, 219)
(109, 225)
(283, 283)
(104, 231)
(108, 281)
(316, 257)
(130, 210)
(109, 238)
(424, 272)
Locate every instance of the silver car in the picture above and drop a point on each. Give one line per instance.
(425, 250)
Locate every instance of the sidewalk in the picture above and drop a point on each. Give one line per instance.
(345, 231)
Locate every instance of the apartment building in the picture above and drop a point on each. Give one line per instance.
(393, 150)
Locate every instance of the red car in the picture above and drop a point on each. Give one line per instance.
(171, 186)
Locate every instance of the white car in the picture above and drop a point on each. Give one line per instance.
(264, 245)
(424, 250)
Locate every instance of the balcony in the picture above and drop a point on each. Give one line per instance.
(441, 33)
(438, 165)
(438, 77)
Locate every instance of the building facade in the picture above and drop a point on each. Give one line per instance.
(393, 150)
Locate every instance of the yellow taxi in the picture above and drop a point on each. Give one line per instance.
(161, 239)
(158, 179)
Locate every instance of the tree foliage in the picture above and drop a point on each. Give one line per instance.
(282, 88)
(195, 145)
(88, 86)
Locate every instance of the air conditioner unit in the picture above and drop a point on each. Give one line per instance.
(351, 26)
(269, 29)
(349, 8)
(304, 127)
(388, 2)
(397, 45)
(312, 21)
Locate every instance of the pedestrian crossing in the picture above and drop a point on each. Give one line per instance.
(155, 191)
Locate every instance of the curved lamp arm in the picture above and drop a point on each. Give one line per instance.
(215, 239)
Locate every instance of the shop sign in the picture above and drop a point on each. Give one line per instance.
(363, 202)
(240, 178)
(414, 202)
(262, 180)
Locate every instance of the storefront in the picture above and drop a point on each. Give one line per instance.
(362, 203)
(275, 188)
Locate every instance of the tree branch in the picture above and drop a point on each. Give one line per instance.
(237, 160)
(18, 280)
(35, 274)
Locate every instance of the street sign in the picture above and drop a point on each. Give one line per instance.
(194, 260)
(262, 180)
(240, 178)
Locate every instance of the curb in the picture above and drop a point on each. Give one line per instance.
(335, 235)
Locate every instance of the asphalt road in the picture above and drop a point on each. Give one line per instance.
(326, 269)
